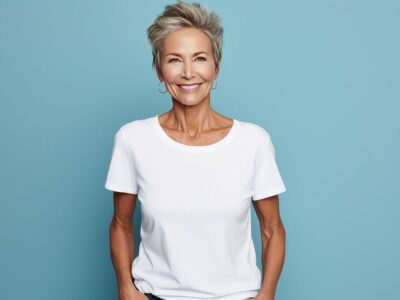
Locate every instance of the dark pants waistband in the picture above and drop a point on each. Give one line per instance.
(153, 297)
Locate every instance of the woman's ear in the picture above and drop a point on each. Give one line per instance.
(217, 70)
(159, 75)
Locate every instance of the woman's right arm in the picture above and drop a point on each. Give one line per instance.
(122, 245)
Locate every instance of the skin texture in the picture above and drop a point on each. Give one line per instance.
(122, 245)
(273, 240)
(192, 121)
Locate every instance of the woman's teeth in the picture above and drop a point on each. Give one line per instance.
(189, 88)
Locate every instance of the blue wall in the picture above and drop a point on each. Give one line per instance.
(321, 76)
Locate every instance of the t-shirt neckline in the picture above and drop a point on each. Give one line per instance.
(193, 148)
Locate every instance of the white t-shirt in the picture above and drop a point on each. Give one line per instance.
(195, 230)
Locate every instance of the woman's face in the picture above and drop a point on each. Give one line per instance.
(186, 59)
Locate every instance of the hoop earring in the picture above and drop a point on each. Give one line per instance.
(215, 85)
(159, 88)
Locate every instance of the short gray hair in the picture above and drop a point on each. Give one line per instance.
(183, 15)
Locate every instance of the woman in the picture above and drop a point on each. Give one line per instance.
(194, 172)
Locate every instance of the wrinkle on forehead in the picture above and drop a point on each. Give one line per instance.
(186, 41)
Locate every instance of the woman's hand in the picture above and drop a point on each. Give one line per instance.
(259, 297)
(131, 293)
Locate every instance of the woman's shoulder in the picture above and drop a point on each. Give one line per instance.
(254, 130)
(136, 128)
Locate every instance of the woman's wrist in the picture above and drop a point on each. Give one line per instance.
(265, 296)
(128, 288)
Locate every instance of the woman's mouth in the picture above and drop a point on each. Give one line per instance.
(185, 88)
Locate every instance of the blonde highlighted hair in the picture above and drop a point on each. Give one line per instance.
(183, 15)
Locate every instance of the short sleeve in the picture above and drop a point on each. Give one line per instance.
(121, 176)
(267, 179)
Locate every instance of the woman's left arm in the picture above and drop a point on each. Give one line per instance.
(273, 238)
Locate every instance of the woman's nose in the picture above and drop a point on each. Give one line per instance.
(187, 70)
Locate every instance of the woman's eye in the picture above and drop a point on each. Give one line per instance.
(175, 59)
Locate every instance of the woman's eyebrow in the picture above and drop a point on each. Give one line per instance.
(194, 54)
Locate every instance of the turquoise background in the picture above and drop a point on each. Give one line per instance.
(321, 76)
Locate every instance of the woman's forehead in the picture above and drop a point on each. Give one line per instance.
(186, 40)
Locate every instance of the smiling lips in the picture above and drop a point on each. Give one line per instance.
(189, 88)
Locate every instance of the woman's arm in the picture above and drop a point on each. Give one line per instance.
(273, 238)
(122, 243)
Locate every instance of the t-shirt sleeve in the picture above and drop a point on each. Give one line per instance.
(121, 176)
(267, 179)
